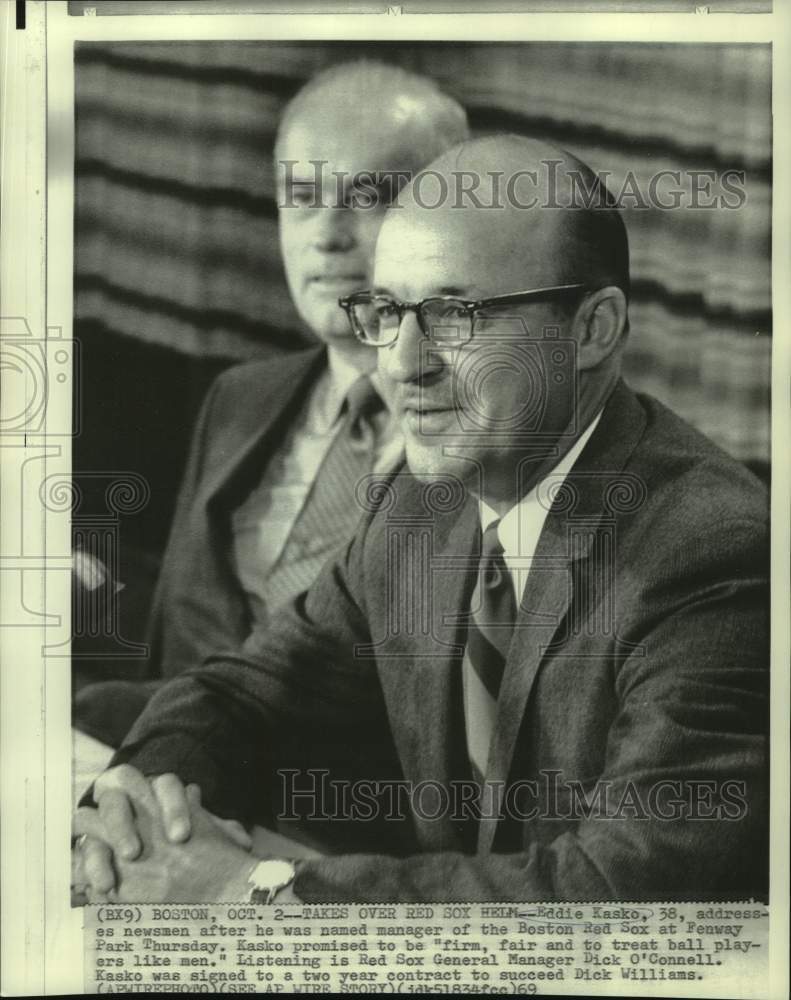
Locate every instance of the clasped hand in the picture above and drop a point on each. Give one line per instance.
(150, 840)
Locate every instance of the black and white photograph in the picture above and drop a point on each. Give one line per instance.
(418, 495)
(554, 354)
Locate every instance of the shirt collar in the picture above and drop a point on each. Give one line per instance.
(520, 527)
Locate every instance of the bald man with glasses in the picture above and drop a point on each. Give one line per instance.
(550, 629)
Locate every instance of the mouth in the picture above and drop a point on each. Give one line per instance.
(430, 419)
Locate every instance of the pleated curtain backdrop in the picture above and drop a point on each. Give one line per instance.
(177, 268)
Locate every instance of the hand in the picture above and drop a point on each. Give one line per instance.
(112, 829)
(208, 867)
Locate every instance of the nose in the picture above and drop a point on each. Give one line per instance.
(411, 357)
(333, 229)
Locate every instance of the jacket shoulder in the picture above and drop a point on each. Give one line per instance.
(703, 515)
(273, 366)
(244, 396)
(684, 468)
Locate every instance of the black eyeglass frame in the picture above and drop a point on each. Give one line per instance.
(470, 307)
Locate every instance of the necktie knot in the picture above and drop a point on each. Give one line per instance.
(494, 571)
(362, 399)
(363, 402)
(490, 542)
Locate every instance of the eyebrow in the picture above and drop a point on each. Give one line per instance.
(453, 290)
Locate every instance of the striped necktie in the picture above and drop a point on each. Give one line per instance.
(330, 512)
(491, 624)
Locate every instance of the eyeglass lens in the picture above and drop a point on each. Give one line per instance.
(442, 320)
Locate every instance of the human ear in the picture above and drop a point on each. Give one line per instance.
(601, 325)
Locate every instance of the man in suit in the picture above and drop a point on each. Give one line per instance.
(550, 626)
(250, 531)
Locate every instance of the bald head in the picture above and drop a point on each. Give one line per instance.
(540, 214)
(345, 146)
(406, 103)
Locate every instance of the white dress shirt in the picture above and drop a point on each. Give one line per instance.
(520, 528)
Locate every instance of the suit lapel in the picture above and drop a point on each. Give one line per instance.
(279, 401)
(543, 607)
(436, 690)
(563, 548)
(419, 666)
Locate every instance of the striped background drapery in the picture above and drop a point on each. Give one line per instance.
(177, 270)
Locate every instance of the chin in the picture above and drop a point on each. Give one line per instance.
(422, 461)
(327, 321)
(330, 330)
(429, 463)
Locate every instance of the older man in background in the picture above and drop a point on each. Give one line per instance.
(281, 443)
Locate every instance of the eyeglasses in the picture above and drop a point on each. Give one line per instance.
(446, 320)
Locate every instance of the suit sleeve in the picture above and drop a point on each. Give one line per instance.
(217, 725)
(684, 770)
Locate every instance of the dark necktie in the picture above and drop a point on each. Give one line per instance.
(330, 512)
(493, 612)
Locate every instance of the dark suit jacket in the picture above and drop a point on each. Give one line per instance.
(199, 608)
(638, 669)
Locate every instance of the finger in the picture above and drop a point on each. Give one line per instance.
(127, 779)
(118, 820)
(174, 803)
(231, 827)
(200, 819)
(234, 829)
(86, 821)
(98, 866)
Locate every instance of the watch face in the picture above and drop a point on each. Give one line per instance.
(272, 874)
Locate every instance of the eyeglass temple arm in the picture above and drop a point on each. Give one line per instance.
(523, 296)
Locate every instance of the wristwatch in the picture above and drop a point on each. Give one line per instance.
(268, 878)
